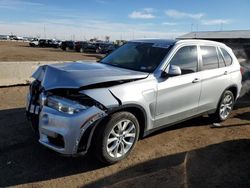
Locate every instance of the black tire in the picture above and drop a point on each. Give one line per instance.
(104, 132)
(217, 117)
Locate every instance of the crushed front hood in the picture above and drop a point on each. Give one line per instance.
(79, 74)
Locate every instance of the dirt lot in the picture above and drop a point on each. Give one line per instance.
(21, 51)
(190, 154)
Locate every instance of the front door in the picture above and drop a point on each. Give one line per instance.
(178, 96)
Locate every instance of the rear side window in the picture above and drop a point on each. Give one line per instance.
(227, 57)
(209, 57)
(221, 59)
(186, 59)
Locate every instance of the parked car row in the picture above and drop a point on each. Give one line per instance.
(78, 46)
(85, 46)
(50, 43)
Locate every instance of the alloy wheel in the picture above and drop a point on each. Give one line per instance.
(226, 106)
(121, 138)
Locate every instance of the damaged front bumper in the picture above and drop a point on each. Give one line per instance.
(68, 134)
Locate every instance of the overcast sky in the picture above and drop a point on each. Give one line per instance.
(120, 19)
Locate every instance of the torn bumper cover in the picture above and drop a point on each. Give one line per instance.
(62, 132)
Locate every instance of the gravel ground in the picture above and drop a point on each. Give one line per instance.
(21, 51)
(190, 154)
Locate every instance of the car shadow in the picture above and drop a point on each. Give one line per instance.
(243, 116)
(243, 101)
(224, 164)
(24, 160)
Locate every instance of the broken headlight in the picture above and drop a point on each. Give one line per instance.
(65, 105)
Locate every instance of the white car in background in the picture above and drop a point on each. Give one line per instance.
(34, 43)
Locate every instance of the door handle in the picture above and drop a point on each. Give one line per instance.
(196, 80)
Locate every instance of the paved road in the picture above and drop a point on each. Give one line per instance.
(190, 154)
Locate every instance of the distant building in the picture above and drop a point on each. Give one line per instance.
(238, 40)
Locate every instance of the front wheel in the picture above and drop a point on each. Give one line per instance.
(225, 107)
(117, 138)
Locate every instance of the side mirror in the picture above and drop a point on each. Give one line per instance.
(172, 70)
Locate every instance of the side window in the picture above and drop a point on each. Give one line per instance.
(209, 57)
(227, 57)
(221, 60)
(186, 59)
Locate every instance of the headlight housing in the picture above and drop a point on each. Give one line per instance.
(64, 105)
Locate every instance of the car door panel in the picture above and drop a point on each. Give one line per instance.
(213, 83)
(213, 80)
(178, 96)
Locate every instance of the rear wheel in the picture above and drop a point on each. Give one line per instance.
(117, 138)
(225, 107)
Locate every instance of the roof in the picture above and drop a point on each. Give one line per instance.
(155, 41)
(236, 34)
(199, 41)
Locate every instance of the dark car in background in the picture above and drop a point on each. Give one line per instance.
(106, 48)
(83, 46)
(102, 47)
(42, 43)
(67, 45)
(94, 47)
(80, 45)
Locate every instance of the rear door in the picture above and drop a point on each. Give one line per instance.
(178, 96)
(214, 77)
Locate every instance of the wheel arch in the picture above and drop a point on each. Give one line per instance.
(233, 89)
(138, 111)
(87, 138)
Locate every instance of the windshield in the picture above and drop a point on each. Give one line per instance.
(138, 56)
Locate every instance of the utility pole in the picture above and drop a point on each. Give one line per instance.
(44, 31)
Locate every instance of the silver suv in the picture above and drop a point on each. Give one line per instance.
(141, 87)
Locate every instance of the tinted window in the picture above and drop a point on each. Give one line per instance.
(221, 60)
(227, 57)
(186, 59)
(138, 56)
(209, 57)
